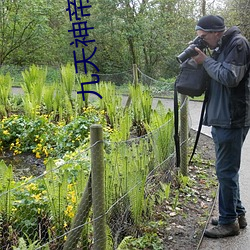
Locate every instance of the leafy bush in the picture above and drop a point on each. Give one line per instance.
(43, 137)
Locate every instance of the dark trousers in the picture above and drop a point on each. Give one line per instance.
(228, 145)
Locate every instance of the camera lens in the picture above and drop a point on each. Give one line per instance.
(187, 53)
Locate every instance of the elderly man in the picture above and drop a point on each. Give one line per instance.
(228, 112)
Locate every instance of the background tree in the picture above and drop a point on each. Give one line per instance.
(237, 12)
(149, 33)
(29, 31)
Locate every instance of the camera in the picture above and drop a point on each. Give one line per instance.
(190, 51)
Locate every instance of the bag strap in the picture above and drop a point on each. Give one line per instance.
(176, 126)
(199, 127)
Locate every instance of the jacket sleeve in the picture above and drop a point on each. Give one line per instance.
(230, 70)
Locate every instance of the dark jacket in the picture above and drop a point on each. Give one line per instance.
(229, 90)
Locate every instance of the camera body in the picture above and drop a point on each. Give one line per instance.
(190, 51)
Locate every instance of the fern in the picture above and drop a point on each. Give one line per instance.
(141, 103)
(33, 86)
(161, 126)
(113, 108)
(48, 98)
(56, 185)
(6, 184)
(68, 78)
(5, 90)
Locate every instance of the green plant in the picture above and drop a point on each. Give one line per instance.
(45, 138)
(161, 128)
(147, 241)
(141, 104)
(185, 183)
(56, 187)
(33, 86)
(23, 134)
(30, 208)
(126, 172)
(22, 245)
(6, 184)
(6, 204)
(48, 98)
(113, 109)
(5, 89)
(164, 191)
(123, 124)
(176, 199)
(68, 79)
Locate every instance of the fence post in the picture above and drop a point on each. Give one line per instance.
(135, 77)
(184, 135)
(135, 74)
(98, 195)
(80, 218)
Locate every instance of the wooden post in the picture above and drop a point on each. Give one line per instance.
(80, 218)
(184, 135)
(135, 81)
(135, 74)
(98, 195)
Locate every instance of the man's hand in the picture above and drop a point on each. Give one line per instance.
(200, 58)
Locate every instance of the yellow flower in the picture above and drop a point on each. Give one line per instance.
(69, 211)
(45, 151)
(6, 132)
(31, 187)
(16, 152)
(73, 199)
(37, 196)
(25, 178)
(38, 155)
(14, 209)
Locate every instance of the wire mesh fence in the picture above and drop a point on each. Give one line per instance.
(42, 210)
(55, 210)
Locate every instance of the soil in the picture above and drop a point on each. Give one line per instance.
(25, 164)
(186, 223)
